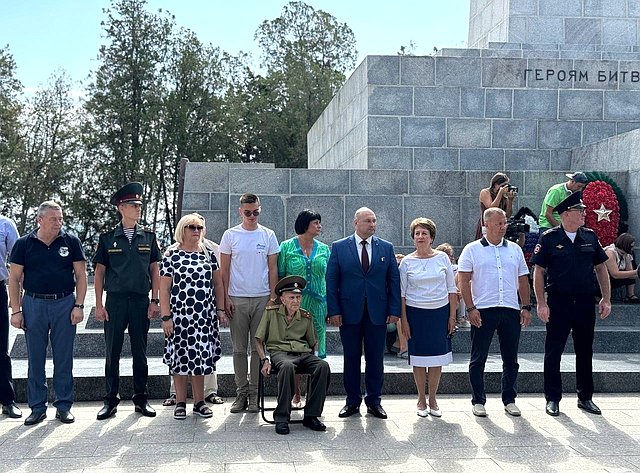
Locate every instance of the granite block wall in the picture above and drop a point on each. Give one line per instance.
(397, 196)
(465, 110)
(577, 22)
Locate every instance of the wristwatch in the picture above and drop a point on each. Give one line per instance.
(469, 309)
(526, 307)
(265, 359)
(166, 318)
(155, 301)
(79, 306)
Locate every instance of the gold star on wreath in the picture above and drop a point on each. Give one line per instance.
(603, 214)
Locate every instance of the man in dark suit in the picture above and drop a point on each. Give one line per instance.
(363, 296)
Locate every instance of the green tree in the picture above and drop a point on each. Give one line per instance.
(125, 100)
(10, 143)
(307, 53)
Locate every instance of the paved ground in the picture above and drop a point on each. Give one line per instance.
(574, 441)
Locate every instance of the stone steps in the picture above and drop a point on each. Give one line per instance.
(613, 372)
(608, 339)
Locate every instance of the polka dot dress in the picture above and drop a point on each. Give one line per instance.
(194, 346)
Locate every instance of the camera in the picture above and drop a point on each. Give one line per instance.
(513, 189)
(516, 226)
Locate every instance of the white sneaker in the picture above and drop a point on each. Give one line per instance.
(479, 410)
(512, 410)
(463, 323)
(435, 412)
(423, 412)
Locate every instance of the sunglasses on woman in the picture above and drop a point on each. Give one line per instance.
(195, 227)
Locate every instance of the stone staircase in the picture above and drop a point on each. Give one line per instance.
(616, 361)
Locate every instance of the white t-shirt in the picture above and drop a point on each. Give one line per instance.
(427, 282)
(249, 249)
(496, 269)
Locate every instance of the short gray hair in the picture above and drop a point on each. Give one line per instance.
(46, 206)
(490, 212)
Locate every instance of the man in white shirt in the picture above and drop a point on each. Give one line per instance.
(249, 264)
(492, 272)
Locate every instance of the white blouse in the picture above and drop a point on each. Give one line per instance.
(427, 282)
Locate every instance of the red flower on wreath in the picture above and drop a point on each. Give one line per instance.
(603, 211)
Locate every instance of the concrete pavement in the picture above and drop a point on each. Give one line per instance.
(575, 441)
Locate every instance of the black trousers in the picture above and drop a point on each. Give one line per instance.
(506, 322)
(126, 310)
(578, 316)
(7, 394)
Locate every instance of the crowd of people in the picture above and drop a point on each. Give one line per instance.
(278, 298)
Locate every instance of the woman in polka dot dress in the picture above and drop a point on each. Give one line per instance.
(190, 285)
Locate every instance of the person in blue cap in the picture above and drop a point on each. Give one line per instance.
(569, 253)
(126, 267)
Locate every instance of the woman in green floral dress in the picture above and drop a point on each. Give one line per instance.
(305, 256)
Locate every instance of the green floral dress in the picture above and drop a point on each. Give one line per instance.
(293, 262)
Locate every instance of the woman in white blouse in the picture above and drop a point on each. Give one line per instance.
(428, 312)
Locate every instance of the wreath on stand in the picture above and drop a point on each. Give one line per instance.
(607, 211)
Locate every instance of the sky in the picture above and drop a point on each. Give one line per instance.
(47, 35)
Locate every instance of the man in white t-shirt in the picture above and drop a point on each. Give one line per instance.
(492, 272)
(249, 264)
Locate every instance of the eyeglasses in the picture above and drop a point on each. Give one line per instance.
(248, 213)
(195, 227)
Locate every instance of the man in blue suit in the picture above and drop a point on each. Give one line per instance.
(363, 296)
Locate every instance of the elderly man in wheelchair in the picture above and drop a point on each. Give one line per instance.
(287, 333)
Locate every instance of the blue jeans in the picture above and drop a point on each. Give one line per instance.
(48, 319)
(506, 322)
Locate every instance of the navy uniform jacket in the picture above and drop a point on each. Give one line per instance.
(569, 264)
(127, 264)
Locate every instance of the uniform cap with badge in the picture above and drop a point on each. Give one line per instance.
(574, 201)
(290, 284)
(129, 194)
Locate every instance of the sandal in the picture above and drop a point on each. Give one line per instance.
(170, 401)
(213, 398)
(201, 409)
(632, 299)
(180, 411)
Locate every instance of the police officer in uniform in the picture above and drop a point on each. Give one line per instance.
(288, 334)
(569, 253)
(127, 268)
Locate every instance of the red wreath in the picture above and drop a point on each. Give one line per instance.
(603, 211)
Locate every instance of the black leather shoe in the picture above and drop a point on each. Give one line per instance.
(145, 409)
(66, 417)
(314, 424)
(589, 406)
(106, 412)
(12, 411)
(377, 411)
(282, 428)
(348, 411)
(35, 417)
(553, 408)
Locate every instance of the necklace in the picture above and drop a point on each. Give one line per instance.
(424, 260)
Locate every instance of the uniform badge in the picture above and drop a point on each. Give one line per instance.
(559, 247)
(63, 251)
(115, 244)
(536, 250)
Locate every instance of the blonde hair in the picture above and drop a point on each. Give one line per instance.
(189, 219)
(446, 248)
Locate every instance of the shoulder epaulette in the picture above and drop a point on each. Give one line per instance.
(306, 314)
(550, 230)
(272, 306)
(590, 230)
(148, 229)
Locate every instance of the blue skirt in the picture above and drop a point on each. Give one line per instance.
(429, 344)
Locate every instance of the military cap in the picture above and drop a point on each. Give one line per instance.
(578, 176)
(574, 201)
(290, 284)
(129, 194)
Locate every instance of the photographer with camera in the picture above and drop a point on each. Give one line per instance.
(549, 217)
(499, 194)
